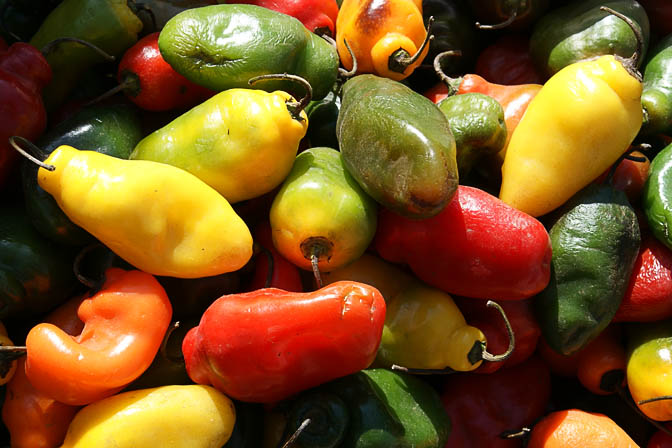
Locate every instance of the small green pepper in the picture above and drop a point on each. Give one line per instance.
(657, 89)
(657, 196)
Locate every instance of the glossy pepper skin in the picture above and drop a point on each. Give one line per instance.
(23, 74)
(580, 30)
(388, 132)
(223, 46)
(181, 236)
(380, 35)
(109, 24)
(318, 16)
(656, 197)
(241, 142)
(585, 116)
(657, 93)
(124, 324)
(266, 345)
(188, 416)
(424, 328)
(476, 247)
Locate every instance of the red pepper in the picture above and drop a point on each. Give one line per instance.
(660, 440)
(151, 83)
(602, 363)
(478, 246)
(284, 274)
(629, 176)
(507, 61)
(487, 319)
(649, 294)
(266, 345)
(482, 407)
(23, 74)
(319, 16)
(124, 325)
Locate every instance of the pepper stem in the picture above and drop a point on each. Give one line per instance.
(345, 73)
(453, 84)
(129, 83)
(36, 149)
(627, 398)
(517, 434)
(271, 263)
(293, 107)
(54, 43)
(632, 62)
(296, 434)
(399, 61)
(484, 354)
(93, 285)
(512, 17)
(626, 155)
(446, 371)
(164, 344)
(313, 249)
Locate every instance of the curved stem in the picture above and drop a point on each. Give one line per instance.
(509, 330)
(512, 17)
(36, 149)
(447, 80)
(294, 108)
(625, 155)
(399, 60)
(625, 396)
(653, 400)
(164, 344)
(345, 74)
(271, 263)
(524, 432)
(632, 61)
(50, 46)
(446, 371)
(296, 434)
(113, 91)
(93, 285)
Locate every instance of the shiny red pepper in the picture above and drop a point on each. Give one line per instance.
(282, 274)
(23, 74)
(478, 246)
(319, 16)
(266, 345)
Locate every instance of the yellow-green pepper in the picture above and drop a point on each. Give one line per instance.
(191, 416)
(159, 218)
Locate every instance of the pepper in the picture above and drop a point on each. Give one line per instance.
(656, 197)
(318, 17)
(476, 247)
(272, 270)
(124, 324)
(388, 132)
(508, 61)
(602, 363)
(266, 345)
(180, 236)
(241, 142)
(223, 46)
(387, 38)
(657, 90)
(322, 118)
(111, 25)
(581, 30)
(190, 415)
(23, 74)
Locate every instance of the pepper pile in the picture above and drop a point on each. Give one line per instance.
(322, 224)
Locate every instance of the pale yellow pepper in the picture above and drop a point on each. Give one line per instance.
(157, 217)
(581, 121)
(190, 416)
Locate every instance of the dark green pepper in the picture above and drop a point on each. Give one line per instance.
(112, 130)
(224, 46)
(477, 123)
(657, 90)
(595, 243)
(35, 274)
(374, 408)
(397, 145)
(657, 196)
(581, 30)
(322, 118)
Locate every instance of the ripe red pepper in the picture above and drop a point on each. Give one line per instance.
(507, 61)
(660, 440)
(482, 407)
(284, 274)
(265, 345)
(151, 83)
(319, 16)
(649, 294)
(23, 74)
(478, 246)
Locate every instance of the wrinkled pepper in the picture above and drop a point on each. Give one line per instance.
(180, 235)
(266, 345)
(223, 46)
(319, 16)
(124, 324)
(657, 197)
(476, 247)
(241, 142)
(657, 90)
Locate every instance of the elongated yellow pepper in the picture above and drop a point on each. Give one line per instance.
(190, 416)
(581, 121)
(159, 218)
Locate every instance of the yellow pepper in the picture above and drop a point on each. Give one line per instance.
(190, 416)
(159, 218)
(241, 142)
(387, 37)
(581, 121)
(424, 328)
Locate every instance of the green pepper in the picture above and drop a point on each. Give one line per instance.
(109, 24)
(35, 274)
(322, 118)
(112, 130)
(657, 89)
(477, 123)
(397, 145)
(581, 30)
(657, 196)
(224, 46)
(595, 244)
(374, 408)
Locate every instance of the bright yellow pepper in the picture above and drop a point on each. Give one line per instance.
(581, 121)
(159, 218)
(424, 328)
(191, 416)
(384, 36)
(241, 142)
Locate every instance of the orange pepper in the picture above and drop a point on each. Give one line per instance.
(387, 37)
(602, 363)
(124, 325)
